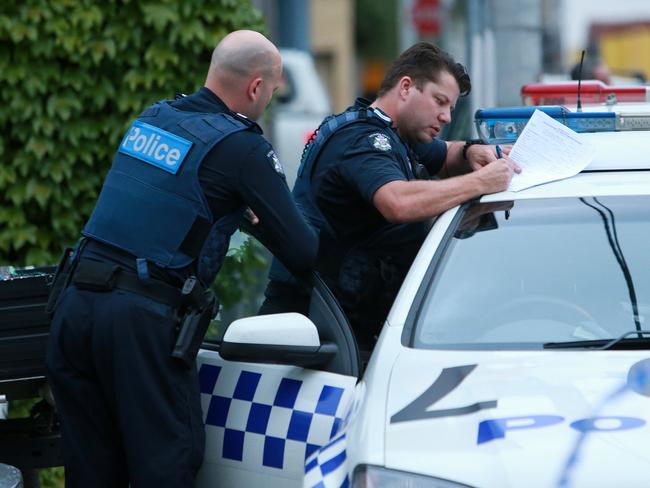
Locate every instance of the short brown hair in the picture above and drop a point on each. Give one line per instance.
(424, 62)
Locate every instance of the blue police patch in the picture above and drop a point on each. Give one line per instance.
(380, 141)
(155, 146)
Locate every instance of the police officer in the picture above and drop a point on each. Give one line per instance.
(180, 182)
(361, 184)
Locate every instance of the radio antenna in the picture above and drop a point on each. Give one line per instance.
(582, 58)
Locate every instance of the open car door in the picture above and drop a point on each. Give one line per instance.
(276, 390)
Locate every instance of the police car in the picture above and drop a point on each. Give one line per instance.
(517, 353)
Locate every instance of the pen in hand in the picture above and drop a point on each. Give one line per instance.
(500, 155)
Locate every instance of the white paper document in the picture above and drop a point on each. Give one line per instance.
(547, 151)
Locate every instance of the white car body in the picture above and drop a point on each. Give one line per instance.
(465, 416)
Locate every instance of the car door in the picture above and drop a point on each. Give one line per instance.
(265, 413)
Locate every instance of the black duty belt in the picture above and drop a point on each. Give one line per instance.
(103, 277)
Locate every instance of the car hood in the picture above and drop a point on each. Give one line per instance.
(496, 419)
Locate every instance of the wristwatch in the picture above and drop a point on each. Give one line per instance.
(468, 143)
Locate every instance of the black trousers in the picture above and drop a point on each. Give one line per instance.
(130, 414)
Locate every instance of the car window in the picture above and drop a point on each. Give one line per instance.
(520, 274)
(240, 283)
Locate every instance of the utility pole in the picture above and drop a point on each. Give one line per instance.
(293, 24)
(517, 59)
(288, 22)
(480, 55)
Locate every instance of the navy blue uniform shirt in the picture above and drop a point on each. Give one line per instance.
(352, 167)
(241, 170)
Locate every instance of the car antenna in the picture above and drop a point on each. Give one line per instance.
(579, 104)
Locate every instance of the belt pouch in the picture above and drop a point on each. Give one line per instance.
(95, 276)
(193, 328)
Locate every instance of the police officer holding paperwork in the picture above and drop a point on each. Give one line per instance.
(126, 329)
(363, 183)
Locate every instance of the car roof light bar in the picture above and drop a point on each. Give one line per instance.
(504, 125)
(592, 91)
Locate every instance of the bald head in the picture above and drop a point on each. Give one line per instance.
(242, 54)
(243, 61)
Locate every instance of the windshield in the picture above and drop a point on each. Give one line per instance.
(521, 274)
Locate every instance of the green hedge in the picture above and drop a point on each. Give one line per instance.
(74, 74)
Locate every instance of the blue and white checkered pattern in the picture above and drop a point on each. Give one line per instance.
(262, 419)
(326, 468)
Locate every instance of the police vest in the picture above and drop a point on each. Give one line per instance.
(303, 192)
(152, 205)
(303, 189)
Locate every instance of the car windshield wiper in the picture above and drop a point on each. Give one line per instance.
(621, 342)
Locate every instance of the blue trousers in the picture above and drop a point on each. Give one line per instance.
(130, 414)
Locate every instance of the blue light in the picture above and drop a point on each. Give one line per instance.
(504, 125)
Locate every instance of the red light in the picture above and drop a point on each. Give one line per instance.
(591, 91)
(307, 135)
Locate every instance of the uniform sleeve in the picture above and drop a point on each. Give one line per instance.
(367, 166)
(432, 155)
(282, 228)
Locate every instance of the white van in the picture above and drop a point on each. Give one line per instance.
(300, 106)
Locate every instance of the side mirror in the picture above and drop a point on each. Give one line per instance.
(286, 338)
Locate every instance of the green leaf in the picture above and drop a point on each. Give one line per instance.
(193, 30)
(38, 191)
(43, 126)
(40, 257)
(63, 106)
(14, 74)
(12, 217)
(87, 17)
(24, 236)
(16, 193)
(34, 85)
(160, 56)
(159, 16)
(35, 14)
(39, 146)
(19, 32)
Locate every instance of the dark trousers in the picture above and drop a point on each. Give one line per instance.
(130, 414)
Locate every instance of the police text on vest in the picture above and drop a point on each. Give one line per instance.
(155, 146)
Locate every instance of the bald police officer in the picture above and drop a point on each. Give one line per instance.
(180, 181)
(361, 184)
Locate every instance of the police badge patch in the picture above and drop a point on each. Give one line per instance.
(275, 162)
(380, 141)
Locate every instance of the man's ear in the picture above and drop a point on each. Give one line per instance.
(254, 88)
(404, 85)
